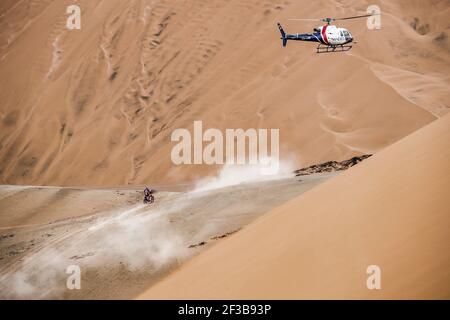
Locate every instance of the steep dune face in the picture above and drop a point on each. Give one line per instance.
(97, 106)
(391, 211)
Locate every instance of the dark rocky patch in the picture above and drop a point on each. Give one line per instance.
(81, 256)
(421, 29)
(197, 245)
(113, 76)
(225, 235)
(330, 166)
(6, 236)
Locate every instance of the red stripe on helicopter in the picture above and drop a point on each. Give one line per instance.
(324, 34)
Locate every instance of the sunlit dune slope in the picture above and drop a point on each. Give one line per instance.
(390, 211)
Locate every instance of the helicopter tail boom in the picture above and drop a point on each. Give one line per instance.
(298, 37)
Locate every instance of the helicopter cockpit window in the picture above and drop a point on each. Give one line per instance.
(342, 34)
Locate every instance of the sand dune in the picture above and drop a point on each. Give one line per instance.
(38, 205)
(390, 211)
(84, 111)
(122, 246)
(97, 106)
(428, 91)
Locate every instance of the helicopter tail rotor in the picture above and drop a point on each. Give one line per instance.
(283, 35)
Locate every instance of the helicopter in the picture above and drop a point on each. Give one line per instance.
(329, 37)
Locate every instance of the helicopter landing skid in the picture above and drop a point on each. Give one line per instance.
(335, 48)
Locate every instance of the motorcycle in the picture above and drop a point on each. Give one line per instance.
(149, 199)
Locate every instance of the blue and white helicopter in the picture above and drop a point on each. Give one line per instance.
(329, 37)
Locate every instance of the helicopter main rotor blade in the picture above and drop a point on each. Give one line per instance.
(356, 17)
(328, 20)
(305, 19)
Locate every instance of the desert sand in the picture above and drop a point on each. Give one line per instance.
(122, 246)
(392, 211)
(97, 106)
(86, 118)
